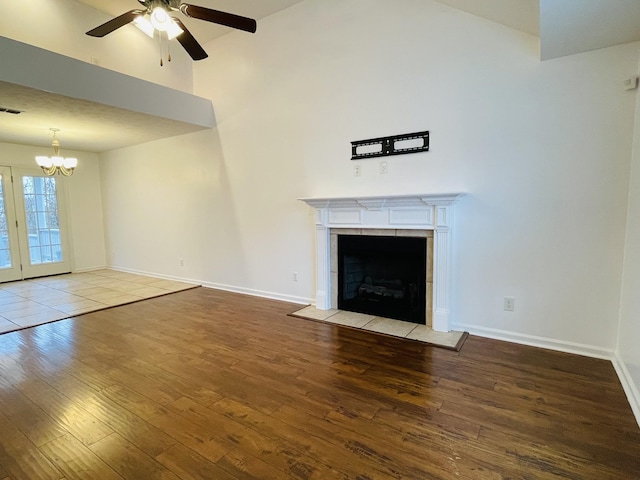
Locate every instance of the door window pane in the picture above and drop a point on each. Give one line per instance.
(43, 228)
(5, 252)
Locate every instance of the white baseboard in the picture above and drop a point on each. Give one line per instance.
(90, 269)
(155, 275)
(260, 293)
(629, 386)
(220, 286)
(541, 342)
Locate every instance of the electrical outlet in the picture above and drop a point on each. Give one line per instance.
(509, 304)
(357, 171)
(294, 276)
(384, 168)
(631, 83)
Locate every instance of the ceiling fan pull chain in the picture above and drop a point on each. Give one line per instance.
(168, 50)
(160, 43)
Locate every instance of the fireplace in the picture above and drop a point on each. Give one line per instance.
(428, 216)
(384, 276)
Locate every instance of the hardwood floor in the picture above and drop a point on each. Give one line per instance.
(204, 384)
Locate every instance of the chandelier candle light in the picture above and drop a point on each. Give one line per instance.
(56, 164)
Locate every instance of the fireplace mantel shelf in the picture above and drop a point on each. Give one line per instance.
(429, 211)
(378, 202)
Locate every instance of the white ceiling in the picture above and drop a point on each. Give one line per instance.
(565, 27)
(203, 31)
(519, 14)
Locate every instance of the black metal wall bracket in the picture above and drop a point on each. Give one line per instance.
(393, 145)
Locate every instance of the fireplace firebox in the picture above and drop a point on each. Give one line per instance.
(384, 276)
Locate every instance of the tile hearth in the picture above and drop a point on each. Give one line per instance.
(387, 326)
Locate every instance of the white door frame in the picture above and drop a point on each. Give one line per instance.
(29, 270)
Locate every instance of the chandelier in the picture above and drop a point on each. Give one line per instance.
(56, 164)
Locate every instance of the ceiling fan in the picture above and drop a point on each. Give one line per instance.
(156, 16)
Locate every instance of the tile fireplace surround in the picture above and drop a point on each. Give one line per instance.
(426, 212)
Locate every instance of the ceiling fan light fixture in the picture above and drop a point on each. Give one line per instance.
(174, 30)
(143, 23)
(158, 13)
(160, 19)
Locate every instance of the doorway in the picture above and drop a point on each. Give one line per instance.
(33, 235)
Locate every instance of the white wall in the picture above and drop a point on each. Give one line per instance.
(60, 26)
(628, 354)
(542, 149)
(180, 199)
(84, 201)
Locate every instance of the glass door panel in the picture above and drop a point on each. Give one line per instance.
(5, 246)
(43, 222)
(9, 245)
(41, 231)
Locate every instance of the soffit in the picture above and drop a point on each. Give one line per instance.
(565, 27)
(90, 105)
(84, 125)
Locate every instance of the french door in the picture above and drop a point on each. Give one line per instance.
(32, 225)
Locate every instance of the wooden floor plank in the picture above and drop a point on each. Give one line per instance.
(208, 384)
(66, 411)
(21, 458)
(129, 461)
(188, 465)
(203, 441)
(76, 461)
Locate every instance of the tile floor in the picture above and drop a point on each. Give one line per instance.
(396, 328)
(33, 302)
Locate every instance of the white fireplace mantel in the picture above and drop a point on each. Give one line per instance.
(398, 212)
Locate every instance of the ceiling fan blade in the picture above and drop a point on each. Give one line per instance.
(222, 18)
(189, 43)
(114, 24)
